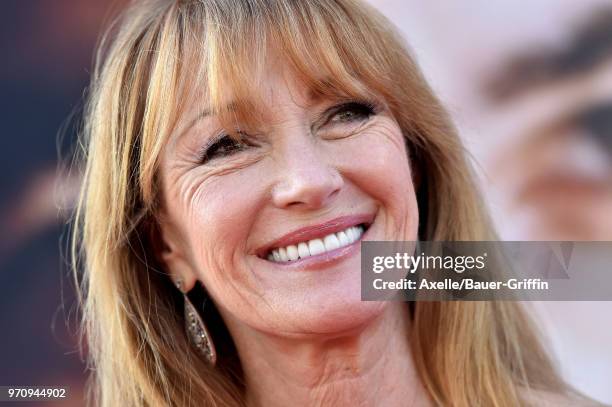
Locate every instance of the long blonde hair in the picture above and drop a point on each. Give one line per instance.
(158, 51)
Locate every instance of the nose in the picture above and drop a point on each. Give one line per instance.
(307, 179)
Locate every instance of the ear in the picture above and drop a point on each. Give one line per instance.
(171, 252)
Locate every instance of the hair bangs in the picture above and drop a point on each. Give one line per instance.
(226, 60)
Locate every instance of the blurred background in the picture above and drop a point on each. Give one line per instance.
(529, 85)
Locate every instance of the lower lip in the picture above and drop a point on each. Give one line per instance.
(323, 260)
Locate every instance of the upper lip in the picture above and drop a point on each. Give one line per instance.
(316, 231)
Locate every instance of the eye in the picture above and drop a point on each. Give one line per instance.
(350, 112)
(222, 146)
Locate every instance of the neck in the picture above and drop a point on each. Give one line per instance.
(370, 366)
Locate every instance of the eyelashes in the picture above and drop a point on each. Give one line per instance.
(225, 145)
(221, 146)
(349, 112)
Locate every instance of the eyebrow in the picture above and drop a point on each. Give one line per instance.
(312, 96)
(200, 115)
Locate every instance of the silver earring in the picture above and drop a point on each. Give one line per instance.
(196, 329)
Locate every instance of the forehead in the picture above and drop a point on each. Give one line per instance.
(253, 97)
(274, 87)
(233, 74)
(275, 82)
(272, 93)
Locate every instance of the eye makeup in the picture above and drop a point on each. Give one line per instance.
(222, 145)
(342, 114)
(349, 112)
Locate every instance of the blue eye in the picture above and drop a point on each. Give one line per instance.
(221, 146)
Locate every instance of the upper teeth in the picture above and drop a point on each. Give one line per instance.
(316, 246)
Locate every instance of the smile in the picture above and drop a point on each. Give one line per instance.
(314, 247)
(322, 240)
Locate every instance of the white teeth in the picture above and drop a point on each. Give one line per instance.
(354, 233)
(283, 254)
(357, 231)
(303, 250)
(331, 242)
(316, 246)
(292, 252)
(343, 239)
(350, 233)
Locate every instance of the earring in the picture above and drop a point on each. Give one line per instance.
(196, 330)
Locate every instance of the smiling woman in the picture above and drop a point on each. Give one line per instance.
(240, 151)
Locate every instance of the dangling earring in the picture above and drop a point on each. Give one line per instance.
(196, 330)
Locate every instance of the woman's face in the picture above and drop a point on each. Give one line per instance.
(305, 185)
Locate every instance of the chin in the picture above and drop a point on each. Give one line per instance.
(351, 318)
(337, 312)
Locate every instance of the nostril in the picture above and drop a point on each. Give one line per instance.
(307, 184)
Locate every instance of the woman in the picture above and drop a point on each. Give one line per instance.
(239, 151)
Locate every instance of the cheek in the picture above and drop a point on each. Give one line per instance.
(387, 168)
(220, 219)
(377, 162)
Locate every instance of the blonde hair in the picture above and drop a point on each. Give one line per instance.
(155, 53)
